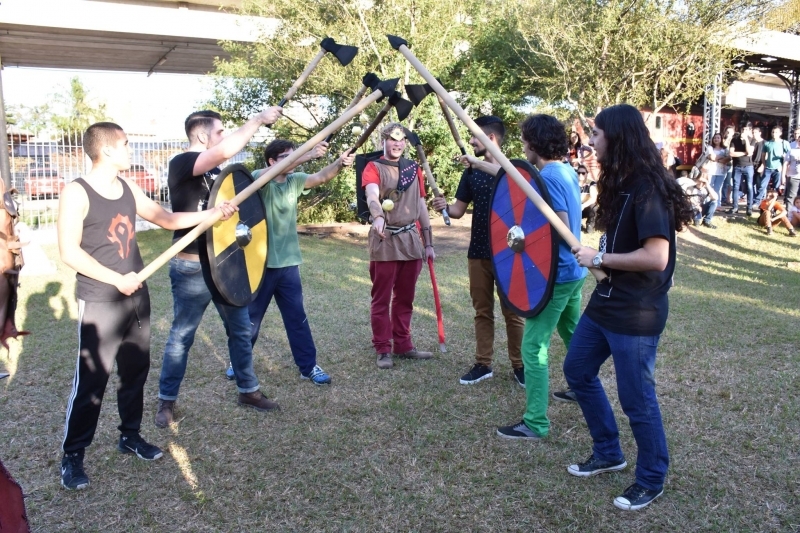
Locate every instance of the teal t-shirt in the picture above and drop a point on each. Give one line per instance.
(280, 202)
(775, 154)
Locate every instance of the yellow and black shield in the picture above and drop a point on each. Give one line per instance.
(237, 247)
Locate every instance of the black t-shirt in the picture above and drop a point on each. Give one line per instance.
(758, 153)
(476, 187)
(187, 191)
(737, 145)
(635, 303)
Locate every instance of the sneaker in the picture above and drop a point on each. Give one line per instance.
(792, 233)
(564, 396)
(384, 361)
(72, 475)
(256, 400)
(477, 373)
(733, 211)
(517, 431)
(594, 466)
(769, 231)
(519, 375)
(165, 414)
(317, 376)
(414, 354)
(136, 444)
(636, 497)
(709, 225)
(696, 222)
(749, 212)
(230, 373)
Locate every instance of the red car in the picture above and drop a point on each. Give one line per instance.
(43, 182)
(144, 179)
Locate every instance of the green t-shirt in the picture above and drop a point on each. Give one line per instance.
(775, 154)
(280, 202)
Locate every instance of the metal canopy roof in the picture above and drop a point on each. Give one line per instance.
(103, 35)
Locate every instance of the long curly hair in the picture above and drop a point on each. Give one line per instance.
(631, 156)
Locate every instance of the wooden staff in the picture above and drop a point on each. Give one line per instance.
(273, 171)
(402, 46)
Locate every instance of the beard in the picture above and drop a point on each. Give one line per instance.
(479, 152)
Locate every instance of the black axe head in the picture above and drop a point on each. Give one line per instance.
(412, 137)
(396, 42)
(417, 93)
(371, 80)
(401, 105)
(387, 87)
(343, 53)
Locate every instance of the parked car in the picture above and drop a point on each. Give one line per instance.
(142, 177)
(43, 182)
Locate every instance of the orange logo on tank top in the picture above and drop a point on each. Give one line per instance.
(121, 232)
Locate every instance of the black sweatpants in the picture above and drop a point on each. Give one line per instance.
(107, 332)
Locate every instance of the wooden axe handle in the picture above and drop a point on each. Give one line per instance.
(453, 129)
(431, 181)
(372, 125)
(357, 98)
(510, 169)
(299, 81)
(275, 170)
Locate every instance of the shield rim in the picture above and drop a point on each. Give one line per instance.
(554, 240)
(213, 268)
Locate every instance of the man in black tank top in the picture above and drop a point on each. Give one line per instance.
(96, 237)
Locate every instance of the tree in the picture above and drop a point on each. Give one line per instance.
(79, 110)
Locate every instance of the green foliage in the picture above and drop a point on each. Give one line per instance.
(81, 112)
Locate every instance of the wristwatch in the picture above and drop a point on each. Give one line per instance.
(597, 261)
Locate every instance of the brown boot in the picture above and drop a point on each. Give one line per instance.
(414, 354)
(166, 413)
(384, 361)
(257, 401)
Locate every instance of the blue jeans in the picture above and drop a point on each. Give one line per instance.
(285, 285)
(706, 212)
(716, 183)
(634, 364)
(726, 187)
(737, 180)
(190, 297)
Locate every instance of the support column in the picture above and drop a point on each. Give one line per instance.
(792, 81)
(712, 110)
(5, 166)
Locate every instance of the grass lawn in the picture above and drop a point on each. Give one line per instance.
(410, 449)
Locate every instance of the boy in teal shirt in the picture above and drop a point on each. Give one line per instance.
(282, 276)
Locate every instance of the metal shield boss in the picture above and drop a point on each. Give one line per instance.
(237, 247)
(524, 246)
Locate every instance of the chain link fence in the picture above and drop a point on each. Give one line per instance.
(42, 164)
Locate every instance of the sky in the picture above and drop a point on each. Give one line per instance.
(155, 106)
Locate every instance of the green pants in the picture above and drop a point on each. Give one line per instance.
(562, 313)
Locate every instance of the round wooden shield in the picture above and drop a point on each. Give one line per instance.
(524, 246)
(237, 248)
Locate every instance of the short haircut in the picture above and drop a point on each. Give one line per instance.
(200, 119)
(492, 124)
(776, 127)
(546, 136)
(99, 135)
(760, 130)
(276, 148)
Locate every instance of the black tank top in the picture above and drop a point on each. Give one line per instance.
(109, 236)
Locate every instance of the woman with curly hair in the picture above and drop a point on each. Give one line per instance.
(640, 207)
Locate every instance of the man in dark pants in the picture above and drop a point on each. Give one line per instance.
(191, 176)
(96, 237)
(476, 187)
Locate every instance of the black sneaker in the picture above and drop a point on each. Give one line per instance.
(519, 375)
(72, 475)
(136, 444)
(564, 396)
(478, 373)
(636, 497)
(517, 431)
(709, 225)
(594, 466)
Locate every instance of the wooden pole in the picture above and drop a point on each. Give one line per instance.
(299, 81)
(504, 162)
(273, 171)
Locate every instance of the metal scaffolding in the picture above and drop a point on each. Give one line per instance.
(712, 110)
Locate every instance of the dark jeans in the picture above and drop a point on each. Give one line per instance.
(190, 298)
(634, 364)
(707, 211)
(737, 180)
(285, 285)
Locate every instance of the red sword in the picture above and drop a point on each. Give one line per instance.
(439, 319)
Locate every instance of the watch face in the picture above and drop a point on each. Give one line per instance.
(596, 261)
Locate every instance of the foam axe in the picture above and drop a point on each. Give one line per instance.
(396, 100)
(413, 138)
(369, 81)
(402, 46)
(342, 52)
(384, 88)
(416, 93)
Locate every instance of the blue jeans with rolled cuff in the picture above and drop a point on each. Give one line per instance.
(634, 364)
(190, 297)
(285, 286)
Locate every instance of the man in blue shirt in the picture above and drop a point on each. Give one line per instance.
(545, 143)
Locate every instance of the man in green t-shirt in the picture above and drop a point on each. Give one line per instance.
(282, 276)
